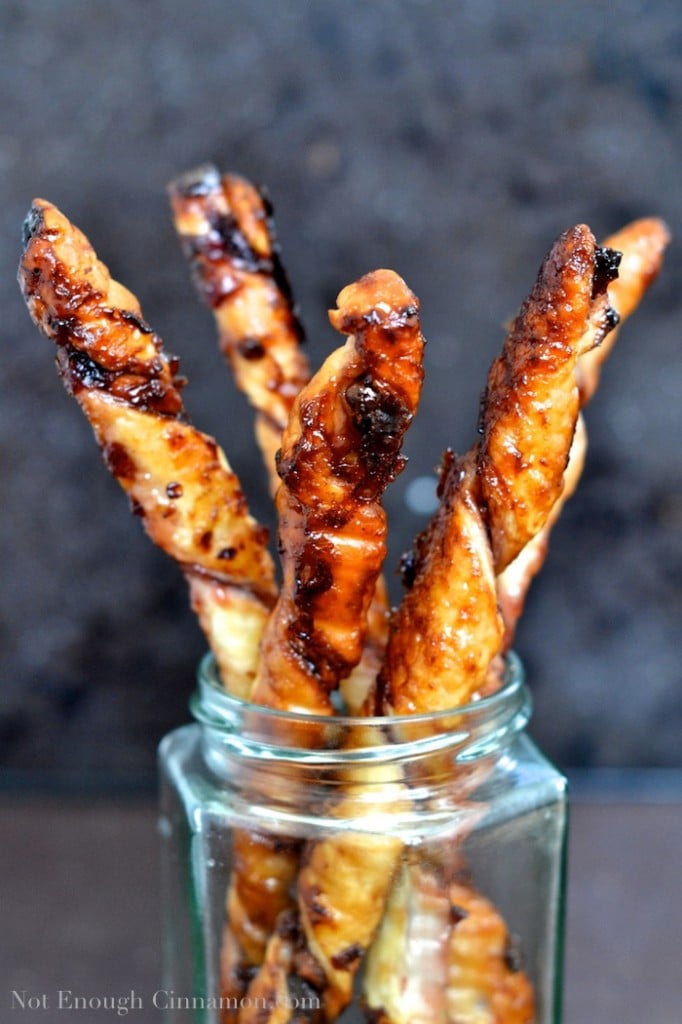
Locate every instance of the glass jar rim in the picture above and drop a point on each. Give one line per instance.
(253, 730)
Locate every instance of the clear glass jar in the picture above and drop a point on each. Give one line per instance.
(406, 869)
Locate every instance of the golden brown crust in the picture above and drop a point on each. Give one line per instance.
(176, 478)
(642, 245)
(342, 888)
(530, 405)
(228, 234)
(103, 342)
(515, 579)
(339, 451)
(448, 628)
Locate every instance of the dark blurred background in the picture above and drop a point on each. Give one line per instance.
(451, 142)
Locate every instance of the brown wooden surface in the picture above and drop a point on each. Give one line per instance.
(79, 899)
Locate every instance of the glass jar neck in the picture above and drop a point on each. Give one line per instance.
(242, 740)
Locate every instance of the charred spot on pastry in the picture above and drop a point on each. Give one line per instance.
(280, 845)
(32, 225)
(313, 575)
(606, 263)
(279, 274)
(347, 956)
(287, 926)
(233, 242)
(82, 371)
(147, 393)
(612, 317)
(136, 321)
(317, 910)
(119, 462)
(513, 956)
(251, 349)
(379, 416)
(457, 913)
(205, 539)
(244, 973)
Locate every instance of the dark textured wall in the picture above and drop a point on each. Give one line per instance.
(452, 142)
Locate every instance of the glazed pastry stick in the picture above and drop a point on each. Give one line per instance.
(339, 452)
(642, 245)
(530, 405)
(228, 234)
(448, 628)
(177, 479)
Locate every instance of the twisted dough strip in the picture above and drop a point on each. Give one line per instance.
(176, 478)
(448, 628)
(642, 245)
(530, 405)
(228, 235)
(339, 452)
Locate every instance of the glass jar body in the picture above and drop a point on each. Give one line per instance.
(407, 869)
